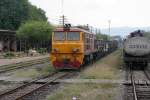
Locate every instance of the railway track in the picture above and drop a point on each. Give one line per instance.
(19, 65)
(137, 90)
(27, 91)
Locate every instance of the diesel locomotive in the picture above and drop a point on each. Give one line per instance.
(73, 47)
(136, 49)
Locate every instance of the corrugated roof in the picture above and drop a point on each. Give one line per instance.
(7, 32)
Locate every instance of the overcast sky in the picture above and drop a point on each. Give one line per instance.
(132, 13)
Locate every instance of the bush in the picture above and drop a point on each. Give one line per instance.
(35, 32)
(9, 55)
(102, 36)
(42, 50)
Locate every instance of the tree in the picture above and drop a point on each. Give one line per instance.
(13, 13)
(36, 14)
(35, 32)
(102, 36)
(147, 34)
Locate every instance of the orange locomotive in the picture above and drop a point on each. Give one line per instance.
(73, 47)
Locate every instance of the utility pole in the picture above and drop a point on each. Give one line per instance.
(109, 22)
(109, 32)
(62, 7)
(63, 18)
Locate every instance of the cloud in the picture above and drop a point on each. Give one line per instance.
(98, 12)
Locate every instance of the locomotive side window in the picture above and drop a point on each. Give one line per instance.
(74, 36)
(138, 46)
(59, 36)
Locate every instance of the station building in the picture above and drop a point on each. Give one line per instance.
(7, 40)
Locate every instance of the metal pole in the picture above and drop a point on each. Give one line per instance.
(62, 11)
(62, 7)
(63, 20)
(109, 22)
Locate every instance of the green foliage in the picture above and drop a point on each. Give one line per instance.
(36, 14)
(15, 12)
(47, 69)
(42, 50)
(35, 31)
(9, 55)
(147, 34)
(102, 36)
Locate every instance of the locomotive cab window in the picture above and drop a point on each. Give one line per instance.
(59, 36)
(74, 36)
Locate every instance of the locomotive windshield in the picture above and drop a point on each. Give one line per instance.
(58, 36)
(74, 36)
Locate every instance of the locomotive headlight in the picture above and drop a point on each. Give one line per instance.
(75, 50)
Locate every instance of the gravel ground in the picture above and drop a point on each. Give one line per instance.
(42, 94)
(118, 90)
(5, 86)
(11, 76)
(17, 60)
(139, 75)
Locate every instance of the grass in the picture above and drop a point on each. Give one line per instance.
(27, 73)
(105, 68)
(9, 55)
(45, 70)
(84, 92)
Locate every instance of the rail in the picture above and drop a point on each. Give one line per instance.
(19, 65)
(44, 85)
(15, 90)
(137, 90)
(133, 83)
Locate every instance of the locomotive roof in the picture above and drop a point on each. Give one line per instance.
(136, 33)
(72, 30)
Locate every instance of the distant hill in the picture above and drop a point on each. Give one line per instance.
(123, 31)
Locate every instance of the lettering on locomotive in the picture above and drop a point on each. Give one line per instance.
(138, 46)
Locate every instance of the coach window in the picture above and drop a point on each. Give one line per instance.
(74, 36)
(59, 36)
